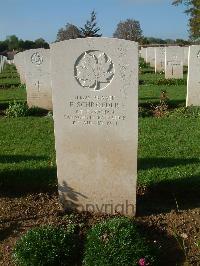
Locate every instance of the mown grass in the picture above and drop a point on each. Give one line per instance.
(27, 156)
(10, 87)
(168, 153)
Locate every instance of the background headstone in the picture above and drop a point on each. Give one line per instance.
(95, 102)
(38, 78)
(173, 62)
(159, 59)
(150, 56)
(193, 83)
(143, 52)
(185, 51)
(19, 61)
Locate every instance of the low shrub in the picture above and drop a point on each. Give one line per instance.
(190, 111)
(117, 242)
(163, 81)
(144, 112)
(143, 64)
(17, 109)
(47, 246)
(170, 82)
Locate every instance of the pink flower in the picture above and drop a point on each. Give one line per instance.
(142, 262)
(7, 248)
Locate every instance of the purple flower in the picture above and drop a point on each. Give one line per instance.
(142, 262)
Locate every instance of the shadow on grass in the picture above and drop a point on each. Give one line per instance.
(23, 181)
(4, 105)
(162, 162)
(149, 98)
(19, 158)
(155, 101)
(176, 194)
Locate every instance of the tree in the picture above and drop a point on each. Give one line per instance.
(129, 30)
(193, 10)
(13, 42)
(41, 43)
(90, 28)
(28, 45)
(69, 32)
(3, 46)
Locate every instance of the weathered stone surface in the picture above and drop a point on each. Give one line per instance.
(173, 62)
(159, 59)
(150, 56)
(19, 61)
(38, 78)
(95, 101)
(185, 51)
(143, 52)
(193, 84)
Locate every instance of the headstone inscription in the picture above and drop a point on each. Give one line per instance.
(95, 99)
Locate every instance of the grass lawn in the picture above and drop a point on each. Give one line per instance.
(168, 171)
(10, 88)
(168, 153)
(27, 156)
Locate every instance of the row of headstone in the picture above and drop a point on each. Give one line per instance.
(94, 84)
(169, 59)
(3, 60)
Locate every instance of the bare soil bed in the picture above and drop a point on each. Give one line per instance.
(19, 213)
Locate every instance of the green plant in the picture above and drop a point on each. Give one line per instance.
(170, 82)
(161, 109)
(190, 111)
(47, 246)
(181, 241)
(143, 64)
(114, 242)
(144, 112)
(17, 109)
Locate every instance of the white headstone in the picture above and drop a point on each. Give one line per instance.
(150, 56)
(173, 62)
(19, 62)
(193, 83)
(38, 78)
(159, 59)
(185, 51)
(1, 63)
(95, 102)
(143, 52)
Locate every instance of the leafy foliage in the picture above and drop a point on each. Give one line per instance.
(129, 30)
(17, 109)
(12, 42)
(90, 29)
(190, 111)
(47, 246)
(69, 32)
(193, 10)
(116, 242)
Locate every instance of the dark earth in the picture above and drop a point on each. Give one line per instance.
(174, 231)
